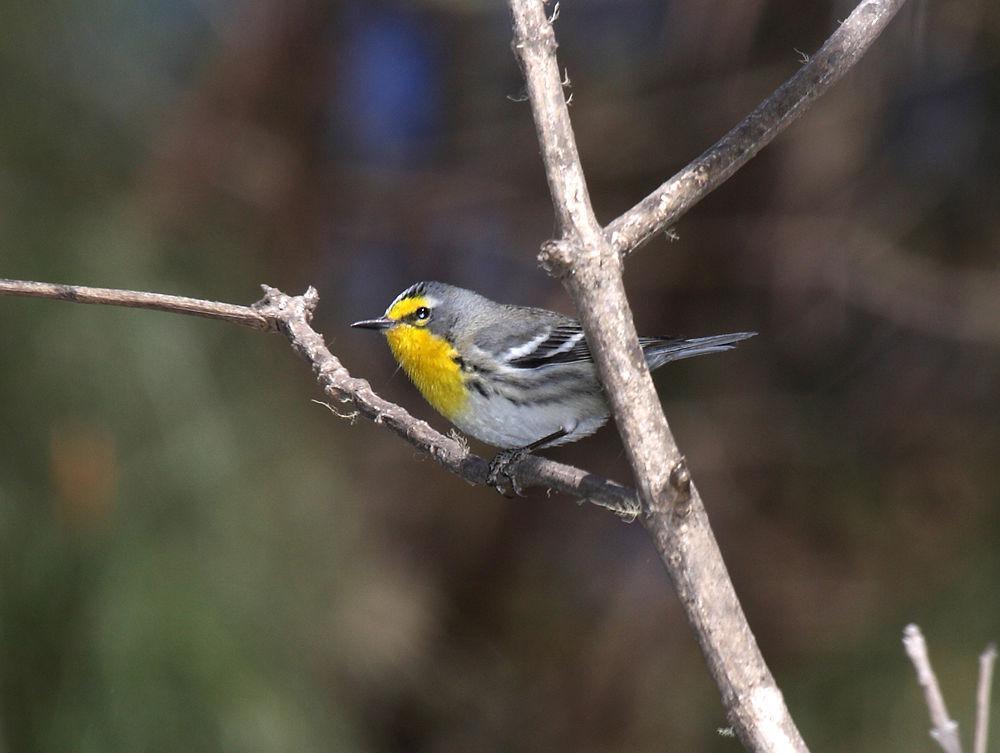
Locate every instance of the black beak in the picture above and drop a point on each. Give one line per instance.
(381, 323)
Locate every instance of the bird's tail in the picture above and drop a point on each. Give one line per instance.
(661, 350)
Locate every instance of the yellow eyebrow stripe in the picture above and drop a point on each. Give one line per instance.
(402, 309)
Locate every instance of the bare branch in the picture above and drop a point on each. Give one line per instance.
(672, 509)
(136, 299)
(944, 729)
(674, 198)
(986, 661)
(535, 46)
(291, 316)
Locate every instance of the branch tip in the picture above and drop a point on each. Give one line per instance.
(944, 729)
(984, 688)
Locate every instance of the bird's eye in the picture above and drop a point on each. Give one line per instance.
(422, 313)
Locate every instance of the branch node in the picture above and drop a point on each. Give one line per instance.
(69, 293)
(279, 308)
(273, 306)
(310, 300)
(680, 483)
(944, 733)
(556, 257)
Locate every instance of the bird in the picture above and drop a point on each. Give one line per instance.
(517, 378)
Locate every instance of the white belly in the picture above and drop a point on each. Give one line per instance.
(500, 423)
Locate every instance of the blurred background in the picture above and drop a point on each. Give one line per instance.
(196, 556)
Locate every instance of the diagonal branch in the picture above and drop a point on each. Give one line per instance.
(291, 316)
(228, 312)
(945, 729)
(673, 199)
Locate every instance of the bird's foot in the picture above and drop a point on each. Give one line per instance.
(505, 460)
(501, 467)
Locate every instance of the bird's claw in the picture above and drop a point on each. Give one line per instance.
(501, 468)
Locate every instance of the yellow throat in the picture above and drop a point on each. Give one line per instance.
(427, 359)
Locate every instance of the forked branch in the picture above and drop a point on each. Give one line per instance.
(588, 260)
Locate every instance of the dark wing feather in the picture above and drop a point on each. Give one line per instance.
(565, 343)
(545, 338)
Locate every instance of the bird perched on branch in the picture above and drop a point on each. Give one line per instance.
(514, 377)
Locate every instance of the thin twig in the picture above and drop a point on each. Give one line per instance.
(944, 729)
(674, 198)
(243, 315)
(291, 316)
(986, 661)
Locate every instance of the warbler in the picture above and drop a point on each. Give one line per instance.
(514, 377)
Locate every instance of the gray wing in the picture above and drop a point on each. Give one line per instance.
(534, 338)
(565, 343)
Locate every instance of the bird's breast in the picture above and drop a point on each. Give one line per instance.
(430, 363)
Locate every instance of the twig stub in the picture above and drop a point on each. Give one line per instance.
(680, 484)
(944, 729)
(556, 257)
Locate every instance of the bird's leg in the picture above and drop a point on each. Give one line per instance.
(504, 460)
